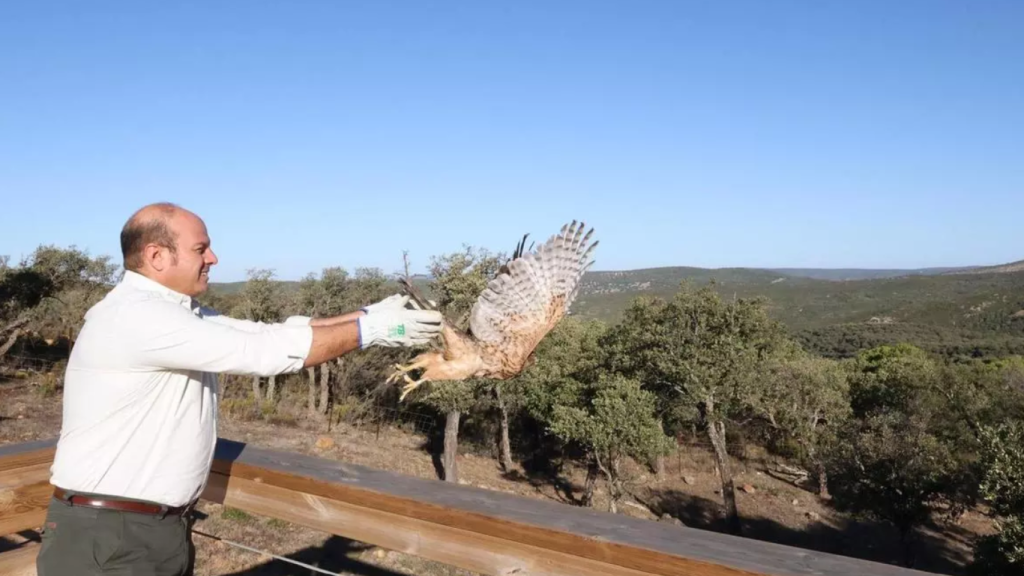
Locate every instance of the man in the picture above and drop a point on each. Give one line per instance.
(140, 398)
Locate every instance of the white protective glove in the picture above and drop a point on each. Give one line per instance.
(394, 328)
(393, 302)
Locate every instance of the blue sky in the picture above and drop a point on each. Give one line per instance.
(310, 134)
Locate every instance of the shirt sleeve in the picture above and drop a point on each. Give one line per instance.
(249, 325)
(172, 338)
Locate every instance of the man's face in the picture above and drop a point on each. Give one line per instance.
(189, 274)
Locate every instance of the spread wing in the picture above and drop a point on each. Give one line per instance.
(532, 293)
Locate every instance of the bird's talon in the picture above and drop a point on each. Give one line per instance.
(412, 385)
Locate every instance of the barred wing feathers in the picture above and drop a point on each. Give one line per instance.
(523, 303)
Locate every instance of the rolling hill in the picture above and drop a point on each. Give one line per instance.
(975, 310)
(983, 300)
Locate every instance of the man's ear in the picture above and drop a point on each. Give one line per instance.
(156, 256)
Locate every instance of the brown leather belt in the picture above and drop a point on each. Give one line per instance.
(117, 504)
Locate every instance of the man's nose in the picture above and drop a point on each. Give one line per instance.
(211, 258)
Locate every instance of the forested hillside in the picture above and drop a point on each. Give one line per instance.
(980, 312)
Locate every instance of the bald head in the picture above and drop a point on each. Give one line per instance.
(170, 245)
(149, 225)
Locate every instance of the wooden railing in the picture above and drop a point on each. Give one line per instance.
(479, 530)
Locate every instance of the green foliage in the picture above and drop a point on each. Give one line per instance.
(614, 418)
(697, 351)
(566, 360)
(368, 285)
(847, 339)
(328, 295)
(889, 466)
(453, 396)
(54, 288)
(912, 443)
(891, 378)
(459, 278)
(805, 401)
(68, 267)
(335, 291)
(22, 289)
(979, 301)
(260, 299)
(1003, 462)
(1002, 486)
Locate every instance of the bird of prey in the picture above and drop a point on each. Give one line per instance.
(528, 296)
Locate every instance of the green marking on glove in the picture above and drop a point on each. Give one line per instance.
(396, 331)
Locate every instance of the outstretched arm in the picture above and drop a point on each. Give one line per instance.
(395, 302)
(173, 338)
(335, 320)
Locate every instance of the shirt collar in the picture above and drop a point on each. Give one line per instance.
(138, 281)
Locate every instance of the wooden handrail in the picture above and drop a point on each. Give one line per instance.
(480, 530)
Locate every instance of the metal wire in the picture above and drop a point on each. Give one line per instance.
(258, 551)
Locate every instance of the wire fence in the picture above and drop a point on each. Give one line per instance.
(407, 420)
(33, 364)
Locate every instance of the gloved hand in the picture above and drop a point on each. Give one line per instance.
(394, 328)
(393, 302)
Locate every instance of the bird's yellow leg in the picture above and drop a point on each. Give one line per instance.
(401, 370)
(410, 386)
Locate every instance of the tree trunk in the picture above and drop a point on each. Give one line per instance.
(271, 387)
(658, 466)
(611, 472)
(16, 324)
(907, 540)
(10, 342)
(822, 482)
(591, 484)
(340, 382)
(256, 388)
(818, 467)
(505, 447)
(716, 433)
(451, 447)
(311, 390)
(615, 485)
(325, 387)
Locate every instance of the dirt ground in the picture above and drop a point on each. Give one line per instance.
(772, 507)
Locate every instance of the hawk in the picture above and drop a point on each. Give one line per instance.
(526, 299)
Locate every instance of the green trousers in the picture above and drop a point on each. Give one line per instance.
(77, 540)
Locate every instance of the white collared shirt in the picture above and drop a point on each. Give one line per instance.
(140, 390)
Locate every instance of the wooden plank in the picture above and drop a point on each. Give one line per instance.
(652, 547)
(24, 507)
(24, 495)
(453, 546)
(20, 561)
(14, 456)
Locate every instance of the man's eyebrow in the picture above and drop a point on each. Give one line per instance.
(201, 244)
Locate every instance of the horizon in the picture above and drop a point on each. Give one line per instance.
(781, 269)
(874, 136)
